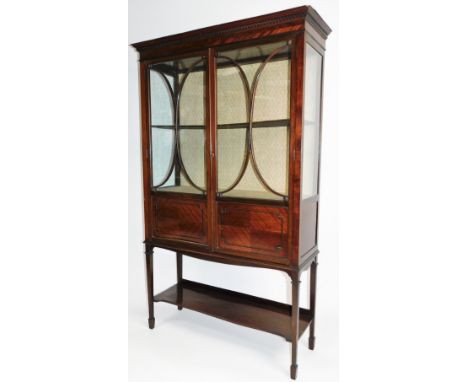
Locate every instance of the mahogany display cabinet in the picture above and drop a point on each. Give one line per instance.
(231, 137)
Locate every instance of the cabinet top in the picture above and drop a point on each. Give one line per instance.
(289, 17)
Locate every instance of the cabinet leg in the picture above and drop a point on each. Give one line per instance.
(179, 279)
(149, 284)
(313, 289)
(295, 322)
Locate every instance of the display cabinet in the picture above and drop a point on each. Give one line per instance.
(231, 132)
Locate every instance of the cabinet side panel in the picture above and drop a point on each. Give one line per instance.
(308, 226)
(145, 148)
(311, 138)
(297, 94)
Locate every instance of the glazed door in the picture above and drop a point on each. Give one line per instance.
(252, 150)
(178, 127)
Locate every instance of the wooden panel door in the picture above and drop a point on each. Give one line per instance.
(180, 218)
(253, 231)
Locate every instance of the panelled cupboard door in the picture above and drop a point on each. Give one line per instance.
(180, 219)
(178, 129)
(254, 231)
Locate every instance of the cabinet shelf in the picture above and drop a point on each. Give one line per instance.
(179, 189)
(250, 194)
(234, 194)
(241, 125)
(238, 308)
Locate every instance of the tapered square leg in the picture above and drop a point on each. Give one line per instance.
(149, 284)
(294, 322)
(293, 371)
(313, 289)
(311, 343)
(179, 279)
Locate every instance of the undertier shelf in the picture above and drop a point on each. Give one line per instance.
(242, 309)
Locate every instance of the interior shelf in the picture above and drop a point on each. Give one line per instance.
(243, 125)
(242, 309)
(266, 195)
(242, 194)
(181, 189)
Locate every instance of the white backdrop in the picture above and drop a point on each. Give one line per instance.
(187, 344)
(63, 212)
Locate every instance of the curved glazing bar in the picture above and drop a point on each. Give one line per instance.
(173, 99)
(176, 126)
(245, 162)
(251, 147)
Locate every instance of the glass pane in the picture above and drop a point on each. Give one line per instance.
(311, 126)
(253, 86)
(193, 156)
(271, 145)
(231, 152)
(272, 93)
(162, 143)
(192, 128)
(177, 92)
(232, 100)
(162, 132)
